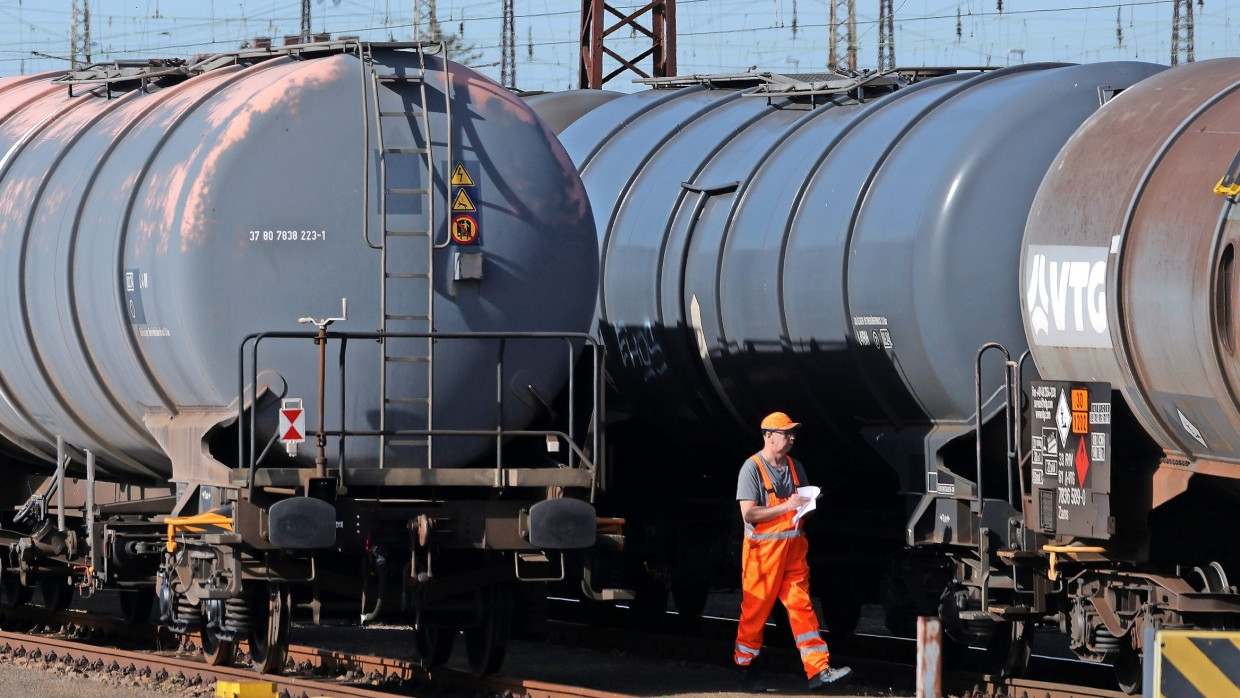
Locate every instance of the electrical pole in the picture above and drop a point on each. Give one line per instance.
(79, 51)
(424, 12)
(305, 21)
(594, 29)
(508, 54)
(843, 39)
(1182, 29)
(886, 36)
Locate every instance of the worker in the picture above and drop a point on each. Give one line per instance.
(773, 559)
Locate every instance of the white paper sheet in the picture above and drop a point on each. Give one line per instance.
(812, 493)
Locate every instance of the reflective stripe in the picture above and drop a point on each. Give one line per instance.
(749, 651)
(806, 637)
(780, 535)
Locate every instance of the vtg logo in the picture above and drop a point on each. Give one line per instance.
(1066, 297)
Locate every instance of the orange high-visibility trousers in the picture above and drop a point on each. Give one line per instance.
(774, 567)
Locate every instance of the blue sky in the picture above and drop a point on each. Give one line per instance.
(714, 35)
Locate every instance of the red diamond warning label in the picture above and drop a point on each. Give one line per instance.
(292, 421)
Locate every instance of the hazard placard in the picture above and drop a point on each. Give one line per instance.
(292, 421)
(461, 178)
(462, 202)
(464, 229)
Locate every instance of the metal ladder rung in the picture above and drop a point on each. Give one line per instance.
(400, 103)
(409, 359)
(408, 442)
(406, 400)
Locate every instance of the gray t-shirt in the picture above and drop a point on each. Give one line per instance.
(749, 482)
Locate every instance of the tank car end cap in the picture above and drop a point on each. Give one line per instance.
(302, 523)
(558, 524)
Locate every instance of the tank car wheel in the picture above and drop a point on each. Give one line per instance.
(56, 594)
(269, 632)
(217, 652)
(1128, 671)
(136, 605)
(649, 605)
(487, 642)
(690, 596)
(1009, 649)
(433, 644)
(841, 614)
(14, 593)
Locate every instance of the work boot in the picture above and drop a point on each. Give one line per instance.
(829, 676)
(750, 680)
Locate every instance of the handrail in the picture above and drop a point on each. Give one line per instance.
(248, 365)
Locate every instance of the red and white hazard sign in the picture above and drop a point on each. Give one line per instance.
(292, 421)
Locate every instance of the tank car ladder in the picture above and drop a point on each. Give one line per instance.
(406, 183)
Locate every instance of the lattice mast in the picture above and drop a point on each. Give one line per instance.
(305, 21)
(594, 30)
(886, 36)
(843, 40)
(508, 53)
(79, 49)
(426, 21)
(1182, 32)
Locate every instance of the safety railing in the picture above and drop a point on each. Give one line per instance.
(249, 455)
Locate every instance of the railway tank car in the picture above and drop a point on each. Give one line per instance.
(166, 227)
(1006, 300)
(1128, 286)
(834, 247)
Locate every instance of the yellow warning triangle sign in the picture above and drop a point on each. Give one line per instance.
(461, 178)
(462, 202)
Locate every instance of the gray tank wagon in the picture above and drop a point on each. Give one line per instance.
(369, 237)
(1003, 303)
(837, 248)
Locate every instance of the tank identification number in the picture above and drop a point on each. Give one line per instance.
(288, 236)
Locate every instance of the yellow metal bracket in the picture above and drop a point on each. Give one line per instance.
(1228, 186)
(1069, 550)
(199, 523)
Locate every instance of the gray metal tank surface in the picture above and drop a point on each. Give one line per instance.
(1128, 273)
(143, 234)
(843, 262)
(560, 109)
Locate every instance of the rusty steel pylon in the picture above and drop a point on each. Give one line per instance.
(595, 31)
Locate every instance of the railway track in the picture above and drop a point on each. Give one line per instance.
(879, 662)
(882, 664)
(72, 640)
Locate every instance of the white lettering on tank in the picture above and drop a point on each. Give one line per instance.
(1065, 296)
(1098, 297)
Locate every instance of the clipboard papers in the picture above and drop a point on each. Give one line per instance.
(813, 493)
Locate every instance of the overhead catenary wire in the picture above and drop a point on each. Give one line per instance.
(713, 36)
